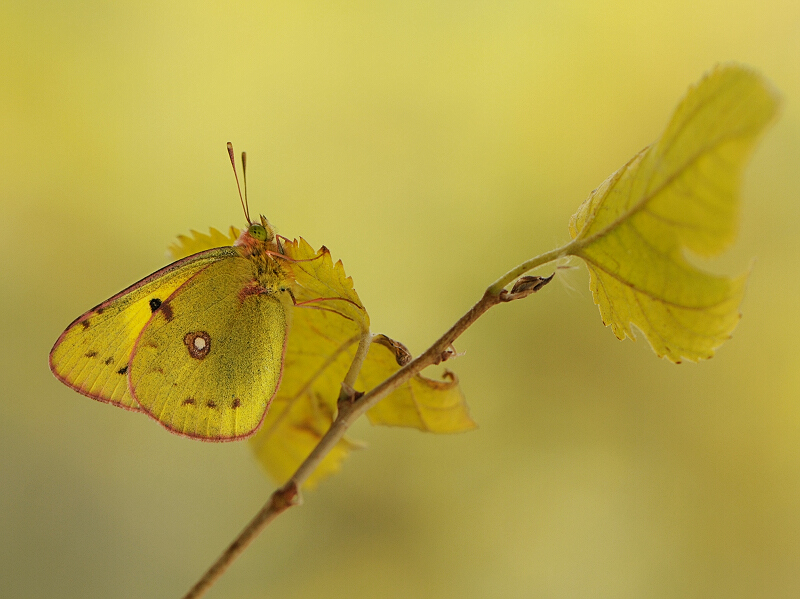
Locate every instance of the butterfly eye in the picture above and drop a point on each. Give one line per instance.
(258, 232)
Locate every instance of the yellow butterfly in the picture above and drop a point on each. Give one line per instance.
(198, 345)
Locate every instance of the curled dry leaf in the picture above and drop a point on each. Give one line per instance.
(524, 286)
(423, 403)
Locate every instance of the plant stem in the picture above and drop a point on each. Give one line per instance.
(288, 495)
(358, 360)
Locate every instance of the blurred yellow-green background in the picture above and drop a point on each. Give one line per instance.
(431, 146)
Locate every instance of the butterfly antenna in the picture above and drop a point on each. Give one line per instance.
(236, 176)
(244, 176)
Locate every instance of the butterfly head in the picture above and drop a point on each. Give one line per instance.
(262, 231)
(258, 235)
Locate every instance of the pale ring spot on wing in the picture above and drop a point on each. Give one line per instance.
(198, 343)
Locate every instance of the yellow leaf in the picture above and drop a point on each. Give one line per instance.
(426, 404)
(319, 350)
(186, 246)
(322, 341)
(681, 193)
(323, 284)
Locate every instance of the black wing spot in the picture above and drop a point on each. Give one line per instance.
(108, 361)
(236, 403)
(189, 401)
(155, 304)
(90, 354)
(123, 370)
(85, 324)
(211, 404)
(99, 311)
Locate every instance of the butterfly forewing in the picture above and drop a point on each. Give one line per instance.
(209, 361)
(92, 356)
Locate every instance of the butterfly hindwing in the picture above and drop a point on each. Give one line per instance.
(93, 353)
(209, 361)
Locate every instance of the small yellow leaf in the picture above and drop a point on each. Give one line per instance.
(423, 403)
(186, 246)
(681, 193)
(323, 284)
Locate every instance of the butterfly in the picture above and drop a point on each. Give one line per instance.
(198, 345)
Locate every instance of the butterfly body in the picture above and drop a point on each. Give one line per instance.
(198, 345)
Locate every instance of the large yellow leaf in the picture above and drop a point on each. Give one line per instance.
(322, 342)
(681, 193)
(321, 346)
